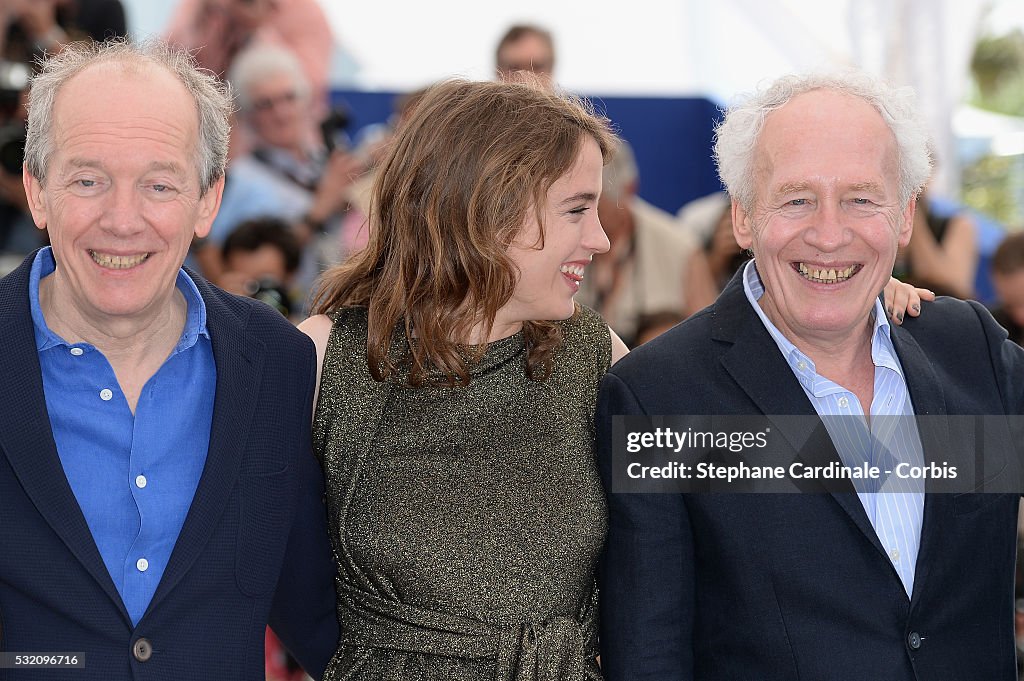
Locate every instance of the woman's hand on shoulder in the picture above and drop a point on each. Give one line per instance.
(901, 299)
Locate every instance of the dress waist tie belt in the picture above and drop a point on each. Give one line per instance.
(552, 650)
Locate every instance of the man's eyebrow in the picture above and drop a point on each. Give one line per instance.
(873, 187)
(790, 187)
(577, 198)
(793, 187)
(169, 166)
(84, 163)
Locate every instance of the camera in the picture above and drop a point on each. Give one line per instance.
(333, 128)
(273, 293)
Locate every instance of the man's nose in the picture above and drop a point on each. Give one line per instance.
(828, 230)
(122, 212)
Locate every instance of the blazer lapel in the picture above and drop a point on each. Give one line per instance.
(762, 373)
(926, 394)
(26, 436)
(239, 359)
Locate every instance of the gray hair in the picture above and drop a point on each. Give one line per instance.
(737, 135)
(212, 99)
(620, 171)
(260, 62)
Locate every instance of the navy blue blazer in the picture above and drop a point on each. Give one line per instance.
(797, 586)
(254, 546)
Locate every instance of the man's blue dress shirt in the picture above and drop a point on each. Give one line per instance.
(134, 475)
(894, 506)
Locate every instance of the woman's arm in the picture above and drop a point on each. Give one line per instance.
(318, 328)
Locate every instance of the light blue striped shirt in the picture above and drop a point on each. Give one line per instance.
(894, 506)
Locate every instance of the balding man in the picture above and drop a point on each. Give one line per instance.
(159, 495)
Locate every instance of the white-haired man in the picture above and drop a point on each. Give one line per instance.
(875, 581)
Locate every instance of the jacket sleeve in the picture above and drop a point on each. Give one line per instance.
(1007, 359)
(303, 613)
(647, 570)
(1008, 366)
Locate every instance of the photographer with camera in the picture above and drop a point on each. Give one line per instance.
(260, 259)
(296, 171)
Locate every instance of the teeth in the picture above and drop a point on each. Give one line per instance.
(575, 270)
(118, 262)
(827, 276)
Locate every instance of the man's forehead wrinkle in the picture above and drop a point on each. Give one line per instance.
(87, 162)
(146, 128)
(143, 123)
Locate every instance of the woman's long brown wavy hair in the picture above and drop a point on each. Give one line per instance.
(450, 196)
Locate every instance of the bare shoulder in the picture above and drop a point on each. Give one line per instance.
(619, 348)
(317, 327)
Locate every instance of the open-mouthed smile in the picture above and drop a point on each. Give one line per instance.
(118, 262)
(826, 275)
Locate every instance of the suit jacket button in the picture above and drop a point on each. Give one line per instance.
(914, 640)
(142, 650)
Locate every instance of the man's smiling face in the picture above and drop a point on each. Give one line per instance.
(826, 219)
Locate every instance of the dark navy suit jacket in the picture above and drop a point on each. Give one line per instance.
(797, 586)
(253, 547)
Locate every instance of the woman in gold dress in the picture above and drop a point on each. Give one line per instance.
(456, 402)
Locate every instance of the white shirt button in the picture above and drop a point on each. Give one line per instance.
(801, 365)
(140, 481)
(844, 402)
(895, 555)
(77, 352)
(105, 394)
(142, 564)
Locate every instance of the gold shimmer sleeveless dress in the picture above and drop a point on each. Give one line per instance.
(466, 522)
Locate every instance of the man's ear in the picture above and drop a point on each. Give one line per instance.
(742, 225)
(36, 195)
(907, 224)
(209, 204)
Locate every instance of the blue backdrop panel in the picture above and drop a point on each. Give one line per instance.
(672, 138)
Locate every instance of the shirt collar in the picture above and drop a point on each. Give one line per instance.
(883, 353)
(44, 264)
